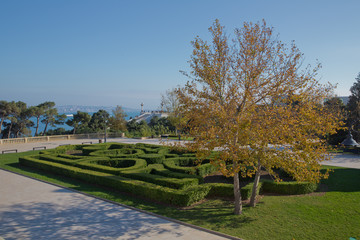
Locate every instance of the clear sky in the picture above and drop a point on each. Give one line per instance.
(124, 52)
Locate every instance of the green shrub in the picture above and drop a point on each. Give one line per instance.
(119, 146)
(122, 152)
(87, 150)
(63, 149)
(161, 180)
(167, 173)
(170, 164)
(114, 167)
(136, 187)
(171, 155)
(288, 188)
(227, 190)
(188, 165)
(205, 169)
(164, 150)
(59, 159)
(153, 158)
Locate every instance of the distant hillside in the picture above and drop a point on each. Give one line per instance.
(89, 109)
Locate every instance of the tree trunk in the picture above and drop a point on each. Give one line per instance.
(37, 126)
(2, 121)
(10, 130)
(237, 195)
(255, 186)
(46, 125)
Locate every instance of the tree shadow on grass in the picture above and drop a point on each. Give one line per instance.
(343, 180)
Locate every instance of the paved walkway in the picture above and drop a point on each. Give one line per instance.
(23, 147)
(31, 209)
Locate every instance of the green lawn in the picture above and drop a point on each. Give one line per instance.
(333, 215)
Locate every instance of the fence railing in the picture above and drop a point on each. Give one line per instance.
(60, 137)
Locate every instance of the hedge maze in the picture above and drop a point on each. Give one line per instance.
(153, 172)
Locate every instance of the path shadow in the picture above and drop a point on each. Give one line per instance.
(79, 219)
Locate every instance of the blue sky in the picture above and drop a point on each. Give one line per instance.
(86, 52)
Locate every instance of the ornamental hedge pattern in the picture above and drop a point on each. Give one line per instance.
(150, 171)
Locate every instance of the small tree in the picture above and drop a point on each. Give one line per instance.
(253, 104)
(170, 103)
(79, 122)
(117, 122)
(353, 107)
(5, 111)
(38, 111)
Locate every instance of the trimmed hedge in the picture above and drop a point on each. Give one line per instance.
(92, 148)
(177, 165)
(152, 158)
(227, 190)
(140, 188)
(160, 170)
(288, 188)
(93, 164)
(162, 180)
(122, 152)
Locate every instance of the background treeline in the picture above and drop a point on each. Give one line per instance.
(17, 119)
(350, 114)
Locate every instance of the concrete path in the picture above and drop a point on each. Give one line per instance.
(23, 147)
(344, 160)
(30, 209)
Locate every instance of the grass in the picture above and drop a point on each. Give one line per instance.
(333, 215)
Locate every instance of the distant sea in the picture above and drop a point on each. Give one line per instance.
(130, 114)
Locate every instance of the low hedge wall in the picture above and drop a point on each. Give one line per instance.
(92, 148)
(227, 190)
(140, 188)
(288, 188)
(162, 180)
(177, 165)
(62, 149)
(93, 164)
(123, 152)
(160, 170)
(59, 159)
(152, 158)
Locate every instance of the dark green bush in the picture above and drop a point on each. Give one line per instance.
(205, 169)
(227, 190)
(92, 148)
(153, 158)
(59, 159)
(98, 164)
(288, 188)
(136, 187)
(170, 164)
(122, 152)
(171, 155)
(167, 173)
(161, 180)
(188, 165)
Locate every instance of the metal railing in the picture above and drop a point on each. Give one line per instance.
(59, 137)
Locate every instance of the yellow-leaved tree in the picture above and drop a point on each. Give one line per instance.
(251, 100)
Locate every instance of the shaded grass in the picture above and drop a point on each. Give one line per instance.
(334, 215)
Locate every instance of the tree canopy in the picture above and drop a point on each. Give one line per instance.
(251, 99)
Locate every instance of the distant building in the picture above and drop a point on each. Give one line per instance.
(148, 115)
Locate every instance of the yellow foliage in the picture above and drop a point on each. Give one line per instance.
(256, 104)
